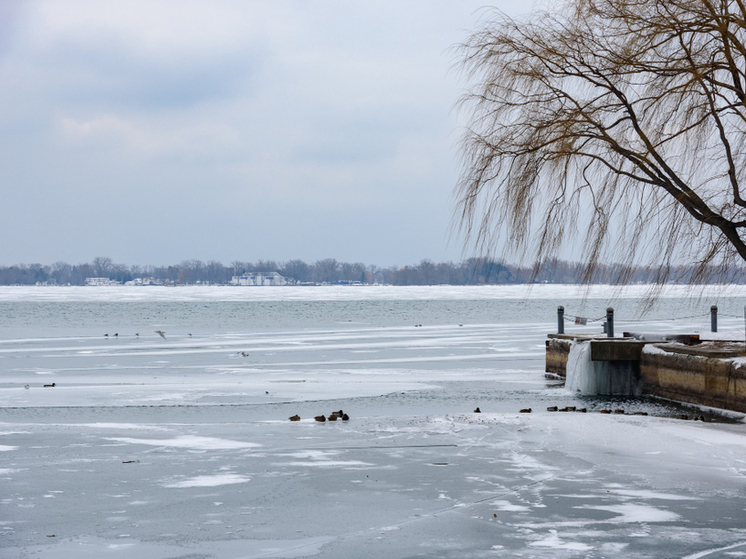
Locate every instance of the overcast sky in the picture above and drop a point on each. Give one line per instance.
(153, 132)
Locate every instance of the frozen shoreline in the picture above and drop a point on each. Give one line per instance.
(356, 293)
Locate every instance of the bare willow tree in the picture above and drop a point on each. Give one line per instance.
(621, 123)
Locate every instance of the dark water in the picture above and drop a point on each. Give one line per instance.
(60, 318)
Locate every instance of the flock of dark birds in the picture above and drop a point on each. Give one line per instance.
(321, 418)
(344, 417)
(604, 411)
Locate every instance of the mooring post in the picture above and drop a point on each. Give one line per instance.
(714, 318)
(610, 322)
(560, 319)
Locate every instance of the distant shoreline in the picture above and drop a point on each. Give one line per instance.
(471, 271)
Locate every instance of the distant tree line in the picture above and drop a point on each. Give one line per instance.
(472, 271)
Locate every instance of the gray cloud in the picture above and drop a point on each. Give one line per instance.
(158, 131)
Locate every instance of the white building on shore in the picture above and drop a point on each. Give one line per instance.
(144, 281)
(259, 278)
(101, 281)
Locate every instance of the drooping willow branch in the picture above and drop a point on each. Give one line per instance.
(622, 122)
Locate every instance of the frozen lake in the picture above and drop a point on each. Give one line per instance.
(182, 448)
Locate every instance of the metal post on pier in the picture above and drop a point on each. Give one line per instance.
(714, 318)
(610, 322)
(560, 319)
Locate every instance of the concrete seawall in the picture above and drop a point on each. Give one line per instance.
(556, 356)
(703, 374)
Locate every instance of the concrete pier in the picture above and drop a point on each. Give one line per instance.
(708, 373)
(707, 378)
(602, 349)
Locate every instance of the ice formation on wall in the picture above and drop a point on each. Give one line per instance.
(612, 378)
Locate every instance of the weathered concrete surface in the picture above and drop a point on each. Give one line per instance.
(616, 350)
(697, 379)
(556, 355)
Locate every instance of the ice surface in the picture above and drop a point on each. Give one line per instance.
(125, 548)
(183, 449)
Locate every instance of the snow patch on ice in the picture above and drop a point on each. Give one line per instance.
(555, 542)
(635, 513)
(320, 458)
(329, 463)
(644, 494)
(137, 426)
(313, 454)
(525, 462)
(5, 447)
(209, 481)
(507, 506)
(190, 441)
